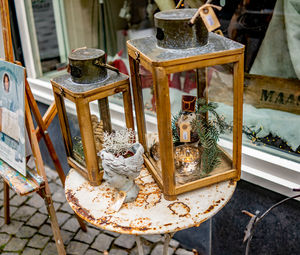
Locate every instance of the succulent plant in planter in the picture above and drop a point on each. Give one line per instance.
(122, 160)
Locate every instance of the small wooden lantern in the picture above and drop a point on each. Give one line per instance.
(90, 79)
(162, 62)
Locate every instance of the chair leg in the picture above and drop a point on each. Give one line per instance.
(54, 224)
(6, 203)
(81, 223)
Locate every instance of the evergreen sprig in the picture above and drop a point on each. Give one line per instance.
(175, 134)
(209, 132)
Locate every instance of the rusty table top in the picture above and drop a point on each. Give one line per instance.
(150, 213)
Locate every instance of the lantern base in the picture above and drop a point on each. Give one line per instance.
(95, 184)
(84, 172)
(170, 197)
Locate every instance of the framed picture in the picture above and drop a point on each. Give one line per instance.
(12, 116)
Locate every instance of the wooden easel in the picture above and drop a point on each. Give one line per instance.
(35, 134)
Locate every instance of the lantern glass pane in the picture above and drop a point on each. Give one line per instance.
(148, 91)
(183, 101)
(149, 103)
(220, 92)
(117, 111)
(197, 153)
(97, 128)
(72, 128)
(106, 120)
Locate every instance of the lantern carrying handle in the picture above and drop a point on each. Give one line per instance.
(98, 63)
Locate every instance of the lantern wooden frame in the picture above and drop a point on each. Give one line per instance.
(161, 62)
(82, 97)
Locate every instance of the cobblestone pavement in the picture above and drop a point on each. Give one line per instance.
(29, 232)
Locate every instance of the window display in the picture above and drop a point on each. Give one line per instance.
(266, 28)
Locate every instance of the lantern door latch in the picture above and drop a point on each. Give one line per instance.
(137, 57)
(62, 92)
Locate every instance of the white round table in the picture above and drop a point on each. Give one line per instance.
(150, 213)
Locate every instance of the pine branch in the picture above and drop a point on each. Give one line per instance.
(209, 132)
(175, 118)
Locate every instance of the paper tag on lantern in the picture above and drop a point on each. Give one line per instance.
(209, 18)
(185, 132)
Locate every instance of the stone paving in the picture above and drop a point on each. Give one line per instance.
(29, 232)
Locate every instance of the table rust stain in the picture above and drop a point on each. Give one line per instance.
(152, 199)
(129, 229)
(209, 209)
(231, 183)
(79, 209)
(105, 220)
(180, 209)
(215, 203)
(149, 195)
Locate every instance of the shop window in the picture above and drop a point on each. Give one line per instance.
(268, 28)
(271, 94)
(47, 34)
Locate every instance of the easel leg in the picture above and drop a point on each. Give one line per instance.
(44, 133)
(62, 177)
(168, 238)
(54, 224)
(60, 172)
(6, 203)
(139, 245)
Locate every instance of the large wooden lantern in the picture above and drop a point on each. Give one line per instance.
(176, 165)
(90, 79)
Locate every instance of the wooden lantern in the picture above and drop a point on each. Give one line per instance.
(163, 61)
(81, 94)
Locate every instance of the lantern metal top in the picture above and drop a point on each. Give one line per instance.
(87, 66)
(66, 82)
(86, 54)
(176, 14)
(216, 44)
(173, 30)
